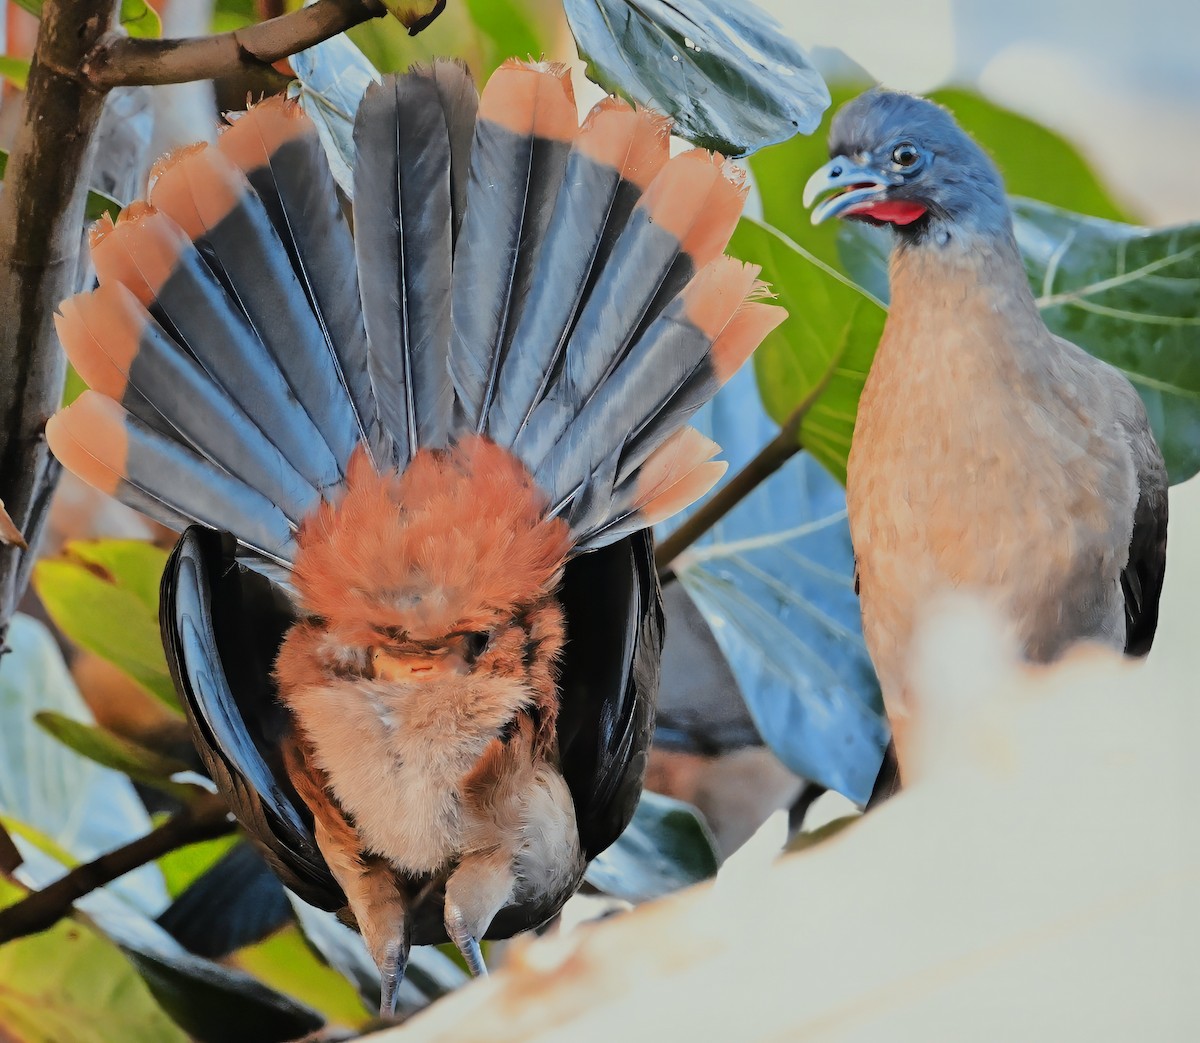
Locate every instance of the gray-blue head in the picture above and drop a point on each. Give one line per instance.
(901, 160)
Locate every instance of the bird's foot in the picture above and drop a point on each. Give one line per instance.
(465, 941)
(392, 963)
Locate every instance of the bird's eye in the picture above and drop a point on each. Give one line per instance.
(476, 642)
(905, 155)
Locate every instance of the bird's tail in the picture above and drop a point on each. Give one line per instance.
(558, 289)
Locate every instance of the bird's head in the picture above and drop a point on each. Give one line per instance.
(901, 160)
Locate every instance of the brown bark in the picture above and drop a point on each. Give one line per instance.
(119, 60)
(41, 213)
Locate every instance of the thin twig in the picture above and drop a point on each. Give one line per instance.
(41, 214)
(770, 458)
(119, 60)
(206, 819)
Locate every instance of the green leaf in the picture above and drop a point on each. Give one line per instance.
(114, 751)
(779, 175)
(137, 16)
(97, 204)
(185, 865)
(511, 27)
(821, 352)
(68, 983)
(73, 387)
(210, 1002)
(140, 19)
(287, 964)
(15, 70)
(726, 73)
(1130, 296)
(665, 847)
(104, 596)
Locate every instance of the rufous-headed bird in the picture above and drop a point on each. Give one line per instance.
(988, 453)
(422, 698)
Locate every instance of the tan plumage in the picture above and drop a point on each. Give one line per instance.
(988, 454)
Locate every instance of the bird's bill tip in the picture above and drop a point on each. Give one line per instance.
(852, 184)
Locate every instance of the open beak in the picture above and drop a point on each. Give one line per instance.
(856, 188)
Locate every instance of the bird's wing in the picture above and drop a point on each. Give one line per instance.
(221, 629)
(609, 684)
(1142, 577)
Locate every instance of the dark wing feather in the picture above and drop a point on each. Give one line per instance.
(221, 627)
(609, 684)
(1142, 577)
(887, 782)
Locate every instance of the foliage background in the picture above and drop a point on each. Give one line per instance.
(918, 46)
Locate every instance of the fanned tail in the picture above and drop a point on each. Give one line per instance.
(560, 290)
(409, 170)
(526, 124)
(277, 147)
(229, 376)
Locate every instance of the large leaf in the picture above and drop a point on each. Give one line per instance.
(667, 846)
(210, 1002)
(1128, 295)
(115, 751)
(820, 354)
(774, 580)
(80, 806)
(69, 983)
(287, 964)
(104, 596)
(725, 72)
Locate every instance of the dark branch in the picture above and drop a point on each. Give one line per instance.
(119, 60)
(772, 456)
(41, 217)
(206, 819)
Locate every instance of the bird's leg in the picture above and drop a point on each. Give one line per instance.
(380, 907)
(370, 883)
(476, 891)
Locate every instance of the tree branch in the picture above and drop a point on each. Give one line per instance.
(773, 456)
(118, 60)
(41, 217)
(206, 819)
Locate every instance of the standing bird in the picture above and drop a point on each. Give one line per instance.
(421, 697)
(988, 454)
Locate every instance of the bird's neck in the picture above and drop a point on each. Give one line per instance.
(964, 299)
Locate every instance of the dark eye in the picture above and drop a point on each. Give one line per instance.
(905, 155)
(476, 642)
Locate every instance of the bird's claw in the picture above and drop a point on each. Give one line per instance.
(391, 974)
(465, 941)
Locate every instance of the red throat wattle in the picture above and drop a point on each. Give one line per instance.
(895, 212)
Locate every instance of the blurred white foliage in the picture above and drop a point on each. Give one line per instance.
(1039, 881)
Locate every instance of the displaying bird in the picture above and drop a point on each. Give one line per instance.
(988, 453)
(421, 661)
